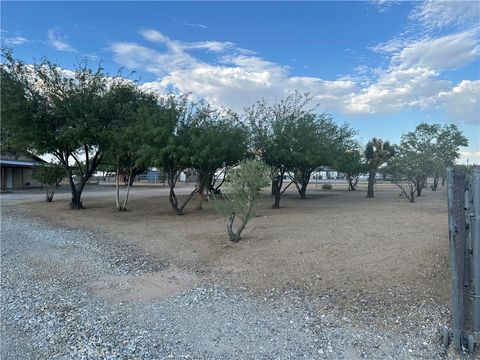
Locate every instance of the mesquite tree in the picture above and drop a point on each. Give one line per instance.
(215, 141)
(130, 108)
(245, 184)
(449, 141)
(407, 170)
(165, 143)
(67, 116)
(351, 164)
(50, 176)
(377, 152)
(271, 127)
(316, 141)
(418, 153)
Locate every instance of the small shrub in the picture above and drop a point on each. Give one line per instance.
(50, 176)
(326, 187)
(244, 188)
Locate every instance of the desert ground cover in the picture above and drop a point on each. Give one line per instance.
(380, 265)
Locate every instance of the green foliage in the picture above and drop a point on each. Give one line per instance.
(428, 150)
(14, 108)
(66, 115)
(449, 139)
(244, 187)
(351, 163)
(293, 140)
(316, 142)
(272, 127)
(50, 175)
(425, 152)
(214, 141)
(377, 152)
(407, 170)
(326, 186)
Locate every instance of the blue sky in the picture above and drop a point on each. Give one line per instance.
(382, 66)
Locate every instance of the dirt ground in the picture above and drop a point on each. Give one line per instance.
(375, 258)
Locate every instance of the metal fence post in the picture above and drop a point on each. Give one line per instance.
(453, 262)
(475, 236)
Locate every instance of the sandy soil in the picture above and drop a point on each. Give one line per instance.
(375, 258)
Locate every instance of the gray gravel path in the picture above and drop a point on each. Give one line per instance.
(48, 312)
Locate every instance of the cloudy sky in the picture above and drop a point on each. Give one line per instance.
(383, 66)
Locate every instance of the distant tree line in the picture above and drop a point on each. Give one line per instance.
(89, 121)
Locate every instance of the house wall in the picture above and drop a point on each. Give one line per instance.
(17, 178)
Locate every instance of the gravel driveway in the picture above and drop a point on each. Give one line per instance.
(49, 311)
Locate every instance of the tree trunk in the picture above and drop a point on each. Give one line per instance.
(233, 235)
(419, 185)
(443, 181)
(304, 181)
(200, 197)
(277, 187)
(412, 196)
(76, 203)
(352, 183)
(276, 204)
(371, 183)
(303, 190)
(201, 183)
(172, 198)
(117, 186)
(124, 206)
(435, 182)
(50, 191)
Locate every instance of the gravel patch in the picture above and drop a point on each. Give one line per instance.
(49, 313)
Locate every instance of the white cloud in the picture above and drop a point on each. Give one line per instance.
(179, 46)
(200, 26)
(384, 5)
(58, 42)
(462, 102)
(433, 15)
(237, 77)
(12, 39)
(446, 52)
(15, 40)
(397, 90)
(470, 157)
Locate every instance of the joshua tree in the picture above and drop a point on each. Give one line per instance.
(377, 153)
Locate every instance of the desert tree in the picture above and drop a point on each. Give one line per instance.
(50, 175)
(216, 140)
(433, 147)
(315, 142)
(66, 116)
(244, 188)
(351, 163)
(407, 171)
(130, 111)
(377, 152)
(15, 107)
(271, 127)
(448, 142)
(167, 143)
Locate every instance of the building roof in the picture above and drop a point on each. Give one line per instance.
(21, 159)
